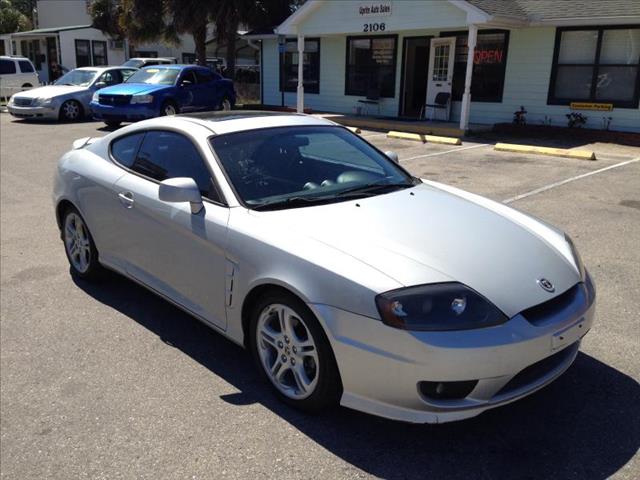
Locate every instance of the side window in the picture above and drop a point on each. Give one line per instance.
(112, 77)
(152, 62)
(126, 74)
(7, 67)
(188, 78)
(169, 155)
(124, 149)
(204, 76)
(25, 66)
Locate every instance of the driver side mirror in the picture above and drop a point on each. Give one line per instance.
(181, 189)
(185, 83)
(100, 85)
(393, 156)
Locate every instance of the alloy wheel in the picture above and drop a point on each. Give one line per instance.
(287, 351)
(77, 243)
(169, 109)
(70, 110)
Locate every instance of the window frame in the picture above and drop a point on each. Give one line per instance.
(281, 59)
(89, 57)
(596, 65)
(222, 202)
(93, 55)
(350, 38)
(490, 31)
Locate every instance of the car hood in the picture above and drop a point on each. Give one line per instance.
(52, 91)
(132, 89)
(432, 233)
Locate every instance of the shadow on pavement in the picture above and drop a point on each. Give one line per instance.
(585, 425)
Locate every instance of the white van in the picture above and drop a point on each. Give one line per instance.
(16, 74)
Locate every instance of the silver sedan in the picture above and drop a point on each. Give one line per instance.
(69, 97)
(348, 279)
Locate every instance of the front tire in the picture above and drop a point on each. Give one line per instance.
(169, 108)
(71, 111)
(79, 247)
(293, 353)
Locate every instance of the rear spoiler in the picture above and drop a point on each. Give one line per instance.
(83, 142)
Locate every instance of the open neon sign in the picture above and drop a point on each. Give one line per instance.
(488, 56)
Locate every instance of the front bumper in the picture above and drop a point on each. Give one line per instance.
(47, 112)
(124, 113)
(383, 368)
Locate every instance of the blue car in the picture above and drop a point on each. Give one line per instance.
(163, 90)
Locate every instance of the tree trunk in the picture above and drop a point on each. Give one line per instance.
(200, 39)
(230, 41)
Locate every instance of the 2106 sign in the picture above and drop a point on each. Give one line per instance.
(374, 27)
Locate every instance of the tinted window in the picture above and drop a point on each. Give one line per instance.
(371, 66)
(169, 155)
(7, 66)
(124, 149)
(112, 77)
(203, 76)
(25, 66)
(188, 78)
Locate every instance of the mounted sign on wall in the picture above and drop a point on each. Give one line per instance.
(375, 9)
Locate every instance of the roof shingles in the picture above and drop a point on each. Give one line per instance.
(540, 10)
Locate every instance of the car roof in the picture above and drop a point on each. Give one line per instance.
(243, 120)
(176, 66)
(13, 57)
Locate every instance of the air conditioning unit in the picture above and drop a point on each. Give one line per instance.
(116, 44)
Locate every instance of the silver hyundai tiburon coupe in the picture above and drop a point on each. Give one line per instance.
(347, 278)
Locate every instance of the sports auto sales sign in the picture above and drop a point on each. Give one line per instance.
(375, 9)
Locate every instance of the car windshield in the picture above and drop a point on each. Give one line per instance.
(133, 63)
(81, 78)
(156, 76)
(287, 167)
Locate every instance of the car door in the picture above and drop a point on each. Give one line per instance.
(165, 246)
(187, 87)
(207, 96)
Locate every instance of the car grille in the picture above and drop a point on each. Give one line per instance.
(572, 303)
(22, 102)
(538, 370)
(114, 99)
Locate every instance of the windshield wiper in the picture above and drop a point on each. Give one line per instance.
(293, 202)
(373, 188)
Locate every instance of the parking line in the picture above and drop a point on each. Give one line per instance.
(568, 180)
(446, 151)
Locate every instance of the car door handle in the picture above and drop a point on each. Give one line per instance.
(126, 199)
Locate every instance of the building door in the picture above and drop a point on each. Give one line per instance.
(414, 75)
(440, 76)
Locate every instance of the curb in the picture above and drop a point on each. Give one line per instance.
(554, 152)
(424, 138)
(355, 130)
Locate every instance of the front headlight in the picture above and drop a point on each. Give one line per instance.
(437, 307)
(41, 102)
(95, 97)
(142, 99)
(576, 256)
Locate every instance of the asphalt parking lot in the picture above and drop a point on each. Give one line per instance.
(109, 381)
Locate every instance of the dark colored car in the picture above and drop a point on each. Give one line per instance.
(163, 90)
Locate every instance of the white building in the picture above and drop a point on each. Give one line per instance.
(488, 57)
(64, 35)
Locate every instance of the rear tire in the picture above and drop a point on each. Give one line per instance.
(226, 105)
(296, 359)
(79, 247)
(169, 107)
(71, 111)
